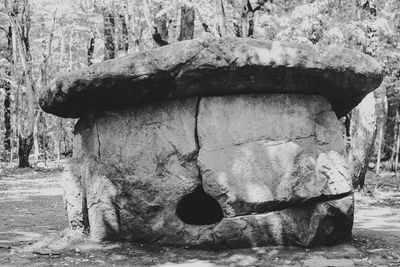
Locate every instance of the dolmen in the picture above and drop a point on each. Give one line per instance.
(221, 143)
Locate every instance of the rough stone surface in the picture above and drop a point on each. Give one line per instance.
(363, 130)
(308, 225)
(214, 142)
(263, 152)
(74, 177)
(324, 262)
(141, 162)
(74, 196)
(280, 154)
(209, 67)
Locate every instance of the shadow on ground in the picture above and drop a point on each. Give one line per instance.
(31, 209)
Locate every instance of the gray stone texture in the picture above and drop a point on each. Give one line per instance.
(142, 164)
(262, 152)
(210, 67)
(250, 125)
(306, 225)
(273, 162)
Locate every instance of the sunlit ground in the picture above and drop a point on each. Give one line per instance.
(31, 209)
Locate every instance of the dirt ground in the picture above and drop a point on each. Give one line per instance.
(31, 208)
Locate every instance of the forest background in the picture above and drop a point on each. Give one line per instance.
(40, 39)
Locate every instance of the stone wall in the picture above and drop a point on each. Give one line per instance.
(227, 171)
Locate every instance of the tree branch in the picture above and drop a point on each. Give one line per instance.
(249, 7)
(3, 29)
(157, 37)
(203, 23)
(257, 8)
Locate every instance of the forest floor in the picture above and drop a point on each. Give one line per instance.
(31, 208)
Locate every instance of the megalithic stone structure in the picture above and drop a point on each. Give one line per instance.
(213, 142)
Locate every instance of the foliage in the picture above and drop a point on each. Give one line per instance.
(369, 26)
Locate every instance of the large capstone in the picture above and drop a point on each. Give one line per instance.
(210, 67)
(213, 143)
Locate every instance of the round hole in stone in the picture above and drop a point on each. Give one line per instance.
(199, 208)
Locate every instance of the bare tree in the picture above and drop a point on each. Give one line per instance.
(109, 32)
(187, 23)
(221, 24)
(363, 135)
(19, 16)
(160, 28)
(124, 45)
(90, 49)
(6, 84)
(43, 82)
(246, 27)
(157, 25)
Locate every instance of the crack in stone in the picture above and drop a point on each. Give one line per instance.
(98, 137)
(196, 139)
(270, 142)
(265, 140)
(306, 202)
(177, 70)
(95, 203)
(196, 116)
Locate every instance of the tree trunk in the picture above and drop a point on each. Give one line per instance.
(221, 25)
(61, 59)
(124, 45)
(20, 23)
(241, 27)
(7, 116)
(136, 29)
(363, 135)
(90, 50)
(247, 19)
(70, 51)
(17, 95)
(109, 32)
(157, 26)
(187, 23)
(397, 149)
(147, 14)
(250, 18)
(24, 148)
(7, 96)
(160, 33)
(392, 107)
(202, 21)
(177, 30)
(36, 135)
(161, 24)
(173, 25)
(43, 82)
(379, 149)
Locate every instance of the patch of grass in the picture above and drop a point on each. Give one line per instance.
(10, 170)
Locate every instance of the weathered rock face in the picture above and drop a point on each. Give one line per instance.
(307, 225)
(141, 163)
(210, 67)
(218, 143)
(199, 171)
(250, 165)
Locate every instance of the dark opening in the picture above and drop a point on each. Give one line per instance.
(198, 208)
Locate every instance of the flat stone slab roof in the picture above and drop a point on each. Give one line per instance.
(210, 67)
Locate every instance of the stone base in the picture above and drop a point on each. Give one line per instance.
(319, 223)
(231, 171)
